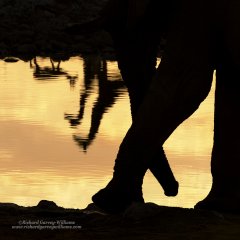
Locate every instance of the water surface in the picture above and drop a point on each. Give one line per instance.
(60, 127)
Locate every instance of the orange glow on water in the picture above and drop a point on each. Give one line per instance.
(41, 154)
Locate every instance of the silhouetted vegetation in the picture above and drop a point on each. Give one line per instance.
(32, 27)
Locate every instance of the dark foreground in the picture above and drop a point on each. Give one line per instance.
(140, 221)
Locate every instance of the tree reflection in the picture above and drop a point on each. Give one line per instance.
(53, 71)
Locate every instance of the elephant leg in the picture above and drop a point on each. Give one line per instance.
(182, 82)
(137, 56)
(225, 164)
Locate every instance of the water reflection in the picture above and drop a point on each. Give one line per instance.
(109, 90)
(52, 72)
(46, 122)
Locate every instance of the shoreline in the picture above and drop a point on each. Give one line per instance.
(139, 221)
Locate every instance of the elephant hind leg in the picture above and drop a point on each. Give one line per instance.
(225, 163)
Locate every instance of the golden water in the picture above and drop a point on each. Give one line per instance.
(50, 148)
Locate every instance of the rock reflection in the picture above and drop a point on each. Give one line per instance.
(109, 90)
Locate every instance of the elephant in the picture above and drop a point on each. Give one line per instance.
(136, 40)
(131, 26)
(203, 37)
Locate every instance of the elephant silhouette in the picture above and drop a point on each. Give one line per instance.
(202, 38)
(136, 51)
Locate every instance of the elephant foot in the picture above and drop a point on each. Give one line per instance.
(162, 171)
(228, 204)
(116, 199)
(172, 189)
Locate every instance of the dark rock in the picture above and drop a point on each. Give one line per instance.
(8, 205)
(10, 59)
(139, 211)
(47, 205)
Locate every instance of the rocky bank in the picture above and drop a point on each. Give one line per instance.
(139, 221)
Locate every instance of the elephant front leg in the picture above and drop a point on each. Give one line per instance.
(137, 58)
